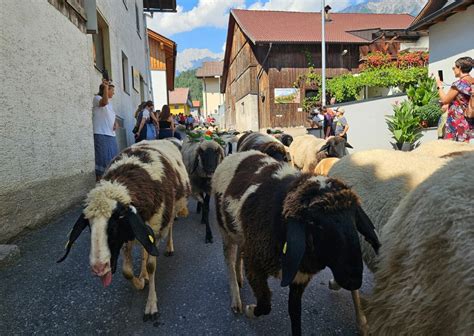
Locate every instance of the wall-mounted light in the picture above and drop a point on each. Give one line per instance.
(344, 52)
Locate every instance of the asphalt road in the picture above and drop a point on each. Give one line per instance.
(40, 297)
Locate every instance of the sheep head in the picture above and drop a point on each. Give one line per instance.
(323, 217)
(335, 147)
(112, 223)
(209, 155)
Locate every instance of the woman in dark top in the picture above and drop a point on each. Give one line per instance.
(166, 124)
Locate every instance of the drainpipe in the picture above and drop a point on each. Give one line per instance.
(259, 75)
(204, 96)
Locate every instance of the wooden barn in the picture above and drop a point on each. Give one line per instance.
(267, 52)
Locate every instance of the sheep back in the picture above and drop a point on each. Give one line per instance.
(443, 148)
(382, 178)
(303, 151)
(424, 284)
(324, 166)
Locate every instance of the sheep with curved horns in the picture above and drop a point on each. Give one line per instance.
(289, 225)
(144, 188)
(263, 143)
(201, 159)
(307, 150)
(424, 283)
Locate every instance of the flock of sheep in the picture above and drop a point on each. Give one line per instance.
(289, 208)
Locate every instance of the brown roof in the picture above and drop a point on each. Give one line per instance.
(305, 27)
(179, 96)
(437, 11)
(210, 69)
(196, 103)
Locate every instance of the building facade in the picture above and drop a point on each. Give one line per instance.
(51, 69)
(268, 52)
(211, 73)
(180, 101)
(450, 25)
(162, 66)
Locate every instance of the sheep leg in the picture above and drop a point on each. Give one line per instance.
(127, 268)
(170, 244)
(294, 306)
(143, 277)
(258, 281)
(230, 256)
(360, 316)
(205, 218)
(151, 309)
(238, 268)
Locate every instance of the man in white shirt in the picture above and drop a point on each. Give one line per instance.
(104, 124)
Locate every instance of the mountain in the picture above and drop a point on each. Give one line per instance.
(412, 7)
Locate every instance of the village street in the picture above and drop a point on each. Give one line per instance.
(39, 296)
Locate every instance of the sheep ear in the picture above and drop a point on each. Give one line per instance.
(348, 145)
(143, 233)
(81, 223)
(293, 251)
(324, 148)
(366, 228)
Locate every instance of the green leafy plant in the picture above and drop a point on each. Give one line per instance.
(430, 113)
(423, 92)
(404, 125)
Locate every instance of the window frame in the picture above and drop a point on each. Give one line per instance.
(125, 74)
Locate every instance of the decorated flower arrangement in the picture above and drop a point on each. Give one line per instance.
(201, 134)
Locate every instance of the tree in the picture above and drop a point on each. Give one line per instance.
(187, 79)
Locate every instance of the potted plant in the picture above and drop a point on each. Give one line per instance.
(404, 126)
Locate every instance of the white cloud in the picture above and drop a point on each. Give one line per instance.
(207, 13)
(185, 59)
(215, 13)
(299, 5)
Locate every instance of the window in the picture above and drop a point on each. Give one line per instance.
(101, 46)
(125, 74)
(137, 18)
(310, 93)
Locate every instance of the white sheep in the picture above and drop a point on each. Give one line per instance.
(144, 188)
(382, 178)
(307, 150)
(443, 148)
(324, 166)
(263, 143)
(424, 283)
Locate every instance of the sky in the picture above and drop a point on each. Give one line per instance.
(200, 26)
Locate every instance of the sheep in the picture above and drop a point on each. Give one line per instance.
(263, 143)
(424, 283)
(144, 188)
(231, 139)
(307, 150)
(324, 166)
(443, 148)
(285, 139)
(201, 159)
(382, 178)
(274, 217)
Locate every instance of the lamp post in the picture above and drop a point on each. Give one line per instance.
(324, 11)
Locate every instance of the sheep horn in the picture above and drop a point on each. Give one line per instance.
(81, 223)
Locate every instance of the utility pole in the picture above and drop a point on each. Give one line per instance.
(323, 51)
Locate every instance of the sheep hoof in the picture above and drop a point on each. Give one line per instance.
(249, 311)
(333, 285)
(154, 316)
(169, 253)
(209, 240)
(236, 307)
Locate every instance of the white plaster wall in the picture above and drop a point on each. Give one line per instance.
(246, 110)
(450, 40)
(422, 43)
(160, 92)
(46, 127)
(213, 98)
(367, 126)
(123, 37)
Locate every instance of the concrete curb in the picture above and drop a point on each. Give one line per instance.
(9, 255)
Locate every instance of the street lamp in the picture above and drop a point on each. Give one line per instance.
(323, 47)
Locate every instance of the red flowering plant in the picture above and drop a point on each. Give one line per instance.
(377, 59)
(412, 59)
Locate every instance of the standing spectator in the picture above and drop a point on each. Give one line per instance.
(458, 96)
(104, 125)
(190, 122)
(340, 122)
(328, 124)
(166, 128)
(146, 123)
